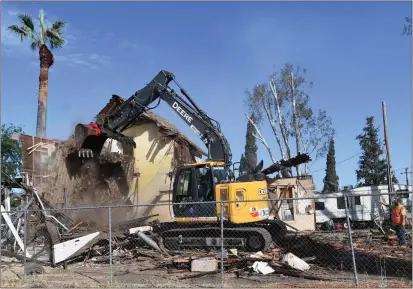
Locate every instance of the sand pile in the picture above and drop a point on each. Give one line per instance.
(103, 181)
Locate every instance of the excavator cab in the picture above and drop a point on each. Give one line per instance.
(199, 187)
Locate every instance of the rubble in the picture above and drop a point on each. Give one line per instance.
(295, 262)
(204, 264)
(262, 267)
(104, 181)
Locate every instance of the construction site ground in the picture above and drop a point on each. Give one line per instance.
(379, 264)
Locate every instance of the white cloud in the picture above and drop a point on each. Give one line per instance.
(141, 47)
(90, 61)
(127, 43)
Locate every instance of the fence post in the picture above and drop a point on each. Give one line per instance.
(351, 244)
(25, 231)
(222, 243)
(110, 245)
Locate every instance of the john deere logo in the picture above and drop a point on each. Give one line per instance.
(262, 191)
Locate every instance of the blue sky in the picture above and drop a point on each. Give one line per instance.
(353, 52)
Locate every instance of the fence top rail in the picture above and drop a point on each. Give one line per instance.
(323, 197)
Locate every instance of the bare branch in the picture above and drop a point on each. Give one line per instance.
(261, 138)
(280, 118)
(295, 124)
(267, 105)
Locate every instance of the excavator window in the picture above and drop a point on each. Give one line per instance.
(184, 188)
(192, 185)
(220, 175)
(205, 184)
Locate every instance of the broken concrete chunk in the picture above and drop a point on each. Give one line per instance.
(204, 265)
(295, 262)
(262, 267)
(233, 251)
(257, 255)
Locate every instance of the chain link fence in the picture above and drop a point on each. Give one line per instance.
(325, 244)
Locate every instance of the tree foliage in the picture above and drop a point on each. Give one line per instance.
(11, 151)
(331, 178)
(251, 148)
(278, 100)
(372, 169)
(407, 29)
(242, 167)
(51, 36)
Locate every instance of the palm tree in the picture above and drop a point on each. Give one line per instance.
(39, 39)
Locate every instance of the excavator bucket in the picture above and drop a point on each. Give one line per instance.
(91, 138)
(88, 143)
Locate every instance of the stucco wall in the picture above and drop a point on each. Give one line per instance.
(153, 161)
(303, 214)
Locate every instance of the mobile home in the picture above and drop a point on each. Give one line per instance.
(363, 205)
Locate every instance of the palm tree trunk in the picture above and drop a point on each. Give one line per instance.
(46, 61)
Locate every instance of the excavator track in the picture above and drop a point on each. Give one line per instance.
(251, 239)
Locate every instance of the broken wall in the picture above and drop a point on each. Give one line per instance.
(295, 212)
(37, 157)
(103, 182)
(156, 156)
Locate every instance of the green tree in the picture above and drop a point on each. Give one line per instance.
(331, 178)
(372, 169)
(251, 147)
(394, 178)
(11, 151)
(39, 41)
(242, 167)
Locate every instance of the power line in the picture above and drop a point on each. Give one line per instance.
(402, 169)
(337, 163)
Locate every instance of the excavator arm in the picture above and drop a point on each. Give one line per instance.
(91, 138)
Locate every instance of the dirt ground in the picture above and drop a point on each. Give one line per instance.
(379, 264)
(12, 275)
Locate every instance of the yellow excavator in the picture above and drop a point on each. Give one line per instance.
(199, 189)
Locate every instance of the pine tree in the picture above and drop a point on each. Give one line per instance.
(394, 178)
(331, 178)
(372, 167)
(242, 168)
(251, 147)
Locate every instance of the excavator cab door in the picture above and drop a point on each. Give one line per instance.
(194, 192)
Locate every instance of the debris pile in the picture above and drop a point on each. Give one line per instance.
(102, 181)
(193, 263)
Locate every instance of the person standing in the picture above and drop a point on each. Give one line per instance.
(398, 219)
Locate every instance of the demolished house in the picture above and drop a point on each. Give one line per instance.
(140, 176)
(160, 148)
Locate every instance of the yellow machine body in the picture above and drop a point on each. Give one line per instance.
(243, 202)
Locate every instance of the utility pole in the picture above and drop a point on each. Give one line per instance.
(406, 173)
(386, 139)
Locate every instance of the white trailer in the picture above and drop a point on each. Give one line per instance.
(363, 205)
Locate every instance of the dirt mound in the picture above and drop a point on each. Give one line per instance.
(92, 182)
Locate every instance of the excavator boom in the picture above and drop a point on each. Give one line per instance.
(91, 138)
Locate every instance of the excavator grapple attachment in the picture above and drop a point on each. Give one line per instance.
(91, 138)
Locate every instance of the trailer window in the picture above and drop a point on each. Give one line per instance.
(357, 200)
(319, 206)
(341, 203)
